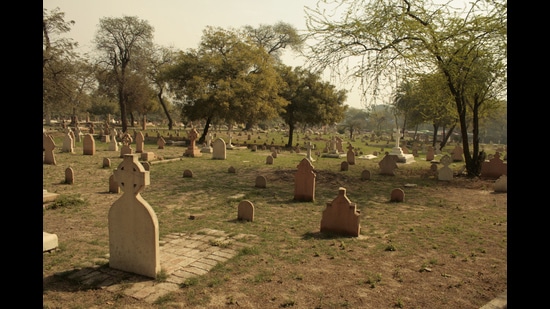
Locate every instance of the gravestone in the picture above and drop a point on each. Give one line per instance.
(261, 182)
(231, 170)
(494, 168)
(133, 224)
(430, 155)
(113, 143)
(69, 176)
(245, 211)
(126, 148)
(274, 154)
(309, 147)
(457, 154)
(207, 148)
(350, 155)
(344, 166)
(304, 182)
(365, 175)
(49, 242)
(501, 184)
(219, 151)
(161, 142)
(68, 143)
(88, 145)
(113, 185)
(388, 165)
(146, 165)
(48, 145)
(269, 160)
(187, 173)
(139, 142)
(445, 173)
(192, 150)
(341, 216)
(106, 162)
(397, 195)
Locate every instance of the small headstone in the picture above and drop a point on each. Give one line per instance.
(113, 185)
(457, 154)
(365, 175)
(106, 162)
(344, 166)
(69, 176)
(501, 184)
(445, 173)
(126, 145)
(388, 165)
(139, 142)
(219, 149)
(231, 170)
(304, 182)
(269, 159)
(341, 216)
(187, 174)
(261, 182)
(161, 142)
(397, 195)
(88, 145)
(245, 211)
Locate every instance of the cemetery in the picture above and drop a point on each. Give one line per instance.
(152, 219)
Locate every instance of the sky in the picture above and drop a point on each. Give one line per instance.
(180, 23)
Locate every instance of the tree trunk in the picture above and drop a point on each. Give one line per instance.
(205, 131)
(290, 134)
(434, 137)
(163, 104)
(123, 116)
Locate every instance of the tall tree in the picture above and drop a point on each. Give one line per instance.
(275, 38)
(355, 119)
(122, 42)
(312, 101)
(162, 58)
(420, 36)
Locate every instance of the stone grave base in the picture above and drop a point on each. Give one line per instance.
(49, 242)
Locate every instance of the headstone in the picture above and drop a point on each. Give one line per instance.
(501, 184)
(68, 143)
(494, 168)
(397, 195)
(457, 154)
(113, 185)
(69, 176)
(106, 162)
(245, 211)
(49, 242)
(219, 149)
(304, 182)
(192, 150)
(148, 156)
(388, 165)
(161, 142)
(126, 145)
(133, 224)
(187, 173)
(88, 145)
(231, 170)
(269, 160)
(146, 165)
(309, 147)
(48, 145)
(365, 175)
(261, 182)
(341, 216)
(139, 142)
(350, 155)
(274, 154)
(344, 166)
(430, 155)
(113, 143)
(445, 173)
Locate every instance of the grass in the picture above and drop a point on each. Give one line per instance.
(420, 231)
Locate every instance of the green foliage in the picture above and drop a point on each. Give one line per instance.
(68, 201)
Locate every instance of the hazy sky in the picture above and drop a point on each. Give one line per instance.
(179, 23)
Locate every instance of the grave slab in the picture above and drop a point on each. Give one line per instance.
(49, 241)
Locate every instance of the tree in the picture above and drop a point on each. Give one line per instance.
(355, 119)
(311, 100)
(226, 79)
(275, 38)
(161, 59)
(58, 69)
(467, 45)
(122, 42)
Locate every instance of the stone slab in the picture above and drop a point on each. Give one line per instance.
(48, 196)
(49, 241)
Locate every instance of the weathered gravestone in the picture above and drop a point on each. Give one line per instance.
(430, 155)
(397, 195)
(88, 145)
(269, 160)
(341, 216)
(231, 170)
(344, 166)
(126, 148)
(161, 142)
(388, 165)
(140, 142)
(113, 185)
(192, 150)
(365, 175)
(245, 211)
(445, 173)
(187, 174)
(304, 182)
(457, 154)
(69, 176)
(68, 142)
(501, 184)
(48, 145)
(350, 156)
(133, 224)
(494, 168)
(261, 182)
(106, 162)
(219, 149)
